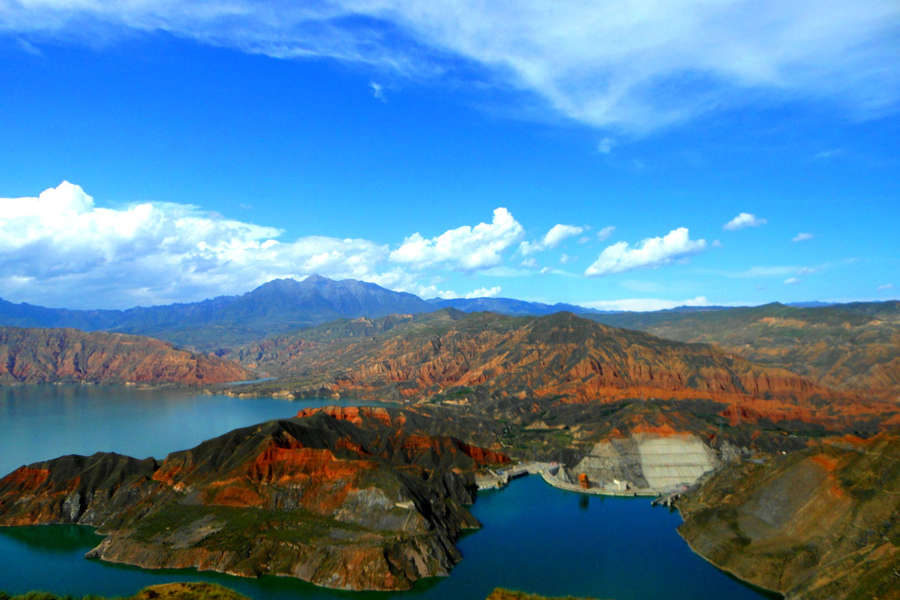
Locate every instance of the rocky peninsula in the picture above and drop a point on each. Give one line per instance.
(347, 499)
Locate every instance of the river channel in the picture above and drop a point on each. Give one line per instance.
(535, 538)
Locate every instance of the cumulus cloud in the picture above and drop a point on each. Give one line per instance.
(485, 292)
(802, 237)
(743, 221)
(464, 248)
(651, 252)
(60, 249)
(158, 253)
(645, 304)
(558, 233)
(551, 239)
(634, 65)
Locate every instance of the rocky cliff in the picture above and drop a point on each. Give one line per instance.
(344, 499)
(69, 355)
(821, 523)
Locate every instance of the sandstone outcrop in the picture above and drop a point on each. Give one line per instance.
(343, 502)
(73, 356)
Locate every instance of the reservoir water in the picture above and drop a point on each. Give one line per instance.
(535, 538)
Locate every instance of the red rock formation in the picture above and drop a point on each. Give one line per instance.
(342, 498)
(69, 355)
(354, 414)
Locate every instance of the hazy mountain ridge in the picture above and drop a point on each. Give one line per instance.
(277, 306)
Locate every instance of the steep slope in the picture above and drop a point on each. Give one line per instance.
(454, 357)
(853, 347)
(821, 523)
(342, 498)
(69, 355)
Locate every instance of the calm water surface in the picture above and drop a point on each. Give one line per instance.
(535, 538)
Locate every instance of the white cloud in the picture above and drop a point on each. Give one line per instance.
(887, 286)
(651, 252)
(634, 64)
(791, 281)
(742, 221)
(551, 239)
(526, 248)
(558, 233)
(530, 262)
(377, 91)
(485, 292)
(802, 237)
(759, 272)
(464, 248)
(60, 249)
(606, 145)
(645, 304)
(604, 233)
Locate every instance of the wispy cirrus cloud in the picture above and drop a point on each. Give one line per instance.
(649, 253)
(604, 233)
(802, 237)
(633, 65)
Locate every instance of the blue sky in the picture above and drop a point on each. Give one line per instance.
(628, 155)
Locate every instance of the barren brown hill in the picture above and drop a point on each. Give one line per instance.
(853, 347)
(70, 355)
(821, 523)
(454, 357)
(352, 499)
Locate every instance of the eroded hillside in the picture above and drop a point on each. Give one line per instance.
(69, 355)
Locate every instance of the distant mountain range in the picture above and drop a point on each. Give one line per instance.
(845, 346)
(214, 325)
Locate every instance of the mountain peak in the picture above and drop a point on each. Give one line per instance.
(316, 279)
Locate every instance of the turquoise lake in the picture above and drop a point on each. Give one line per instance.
(535, 538)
